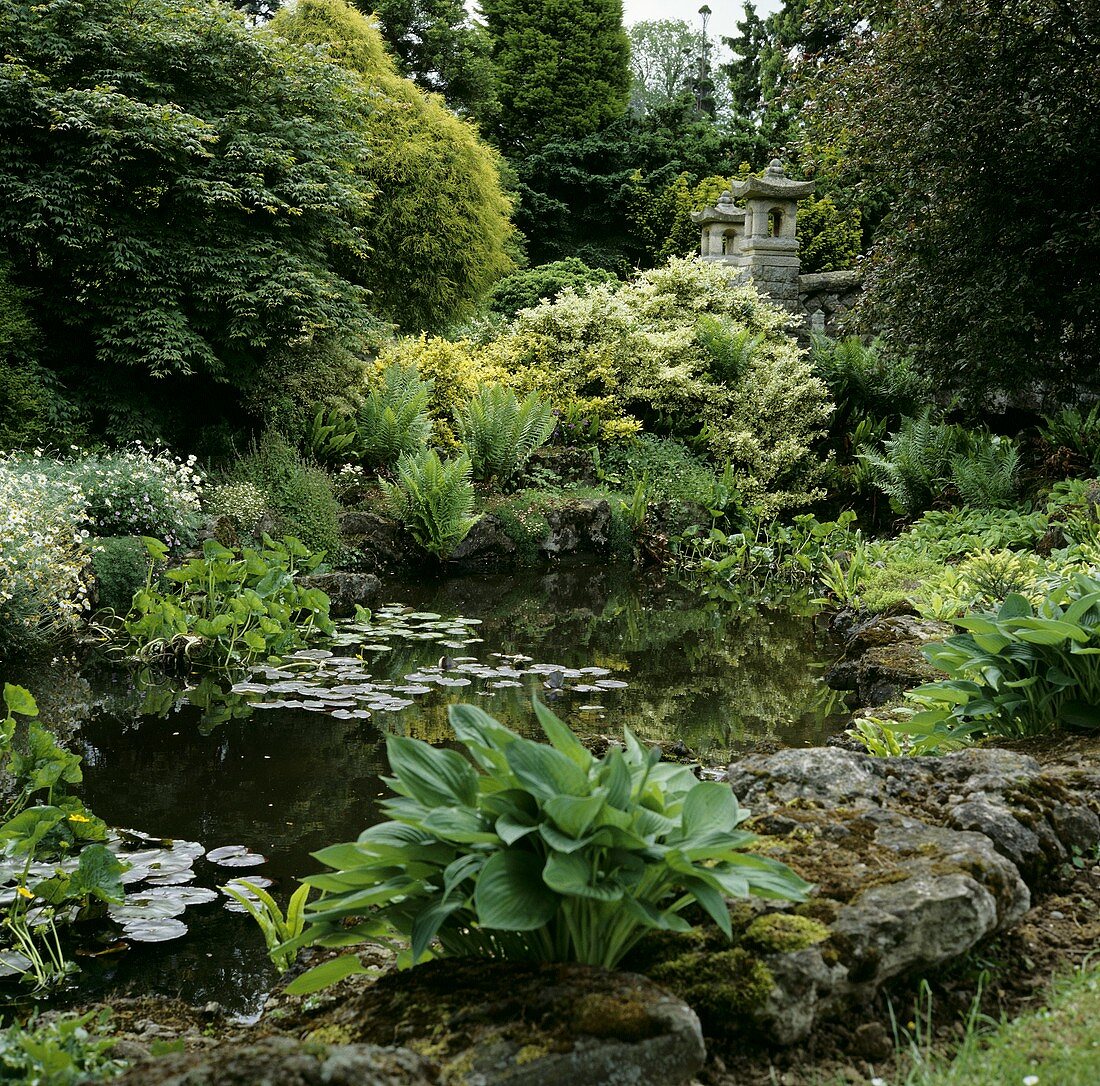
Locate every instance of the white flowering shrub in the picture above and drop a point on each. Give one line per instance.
(130, 491)
(43, 556)
(243, 503)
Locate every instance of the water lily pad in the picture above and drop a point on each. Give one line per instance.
(611, 684)
(161, 930)
(235, 856)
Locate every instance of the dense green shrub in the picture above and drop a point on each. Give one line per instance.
(633, 354)
(300, 494)
(829, 239)
(537, 852)
(175, 198)
(500, 432)
(119, 566)
(65, 1050)
(433, 499)
(439, 234)
(545, 282)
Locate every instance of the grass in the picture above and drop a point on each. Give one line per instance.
(1058, 1045)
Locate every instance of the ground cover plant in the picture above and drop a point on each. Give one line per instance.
(535, 852)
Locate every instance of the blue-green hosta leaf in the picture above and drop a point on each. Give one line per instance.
(544, 771)
(1046, 631)
(342, 856)
(510, 893)
(460, 825)
(459, 870)
(993, 642)
(770, 878)
(709, 806)
(433, 776)
(1080, 714)
(1015, 606)
(427, 924)
(615, 777)
(562, 738)
(511, 828)
(571, 874)
(650, 916)
(713, 903)
(574, 815)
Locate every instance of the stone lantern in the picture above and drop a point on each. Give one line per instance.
(769, 247)
(723, 230)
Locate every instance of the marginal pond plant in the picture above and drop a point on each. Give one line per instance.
(228, 606)
(528, 851)
(434, 499)
(1021, 671)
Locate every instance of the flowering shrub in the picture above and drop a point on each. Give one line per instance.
(43, 556)
(132, 491)
(243, 503)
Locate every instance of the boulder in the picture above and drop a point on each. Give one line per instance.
(283, 1061)
(521, 1025)
(374, 544)
(487, 545)
(582, 526)
(915, 861)
(346, 590)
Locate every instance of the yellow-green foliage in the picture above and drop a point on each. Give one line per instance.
(785, 932)
(635, 351)
(440, 229)
(457, 368)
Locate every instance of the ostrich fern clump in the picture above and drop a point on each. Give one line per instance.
(433, 499)
(499, 432)
(393, 421)
(987, 475)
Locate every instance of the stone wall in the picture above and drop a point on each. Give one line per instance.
(825, 298)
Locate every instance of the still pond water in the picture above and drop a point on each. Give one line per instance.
(304, 770)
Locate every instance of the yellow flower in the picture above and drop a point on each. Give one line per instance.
(78, 818)
(24, 892)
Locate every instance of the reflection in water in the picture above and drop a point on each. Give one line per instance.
(717, 676)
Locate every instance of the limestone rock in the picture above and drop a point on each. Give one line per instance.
(487, 545)
(282, 1061)
(377, 544)
(346, 590)
(578, 527)
(489, 1024)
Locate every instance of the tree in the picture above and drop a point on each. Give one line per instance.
(663, 62)
(978, 122)
(440, 48)
(440, 232)
(175, 202)
(562, 68)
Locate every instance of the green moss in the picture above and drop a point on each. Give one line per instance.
(530, 1053)
(785, 932)
(331, 1035)
(722, 987)
(600, 1015)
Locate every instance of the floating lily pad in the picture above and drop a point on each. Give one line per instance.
(235, 856)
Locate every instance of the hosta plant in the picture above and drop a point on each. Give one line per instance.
(530, 851)
(1019, 672)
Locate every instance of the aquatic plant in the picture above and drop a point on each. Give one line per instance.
(535, 852)
(228, 606)
(1019, 672)
(278, 928)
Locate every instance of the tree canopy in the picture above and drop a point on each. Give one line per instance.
(978, 124)
(178, 193)
(439, 233)
(562, 69)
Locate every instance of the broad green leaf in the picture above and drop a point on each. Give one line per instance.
(710, 805)
(571, 875)
(326, 974)
(510, 893)
(19, 700)
(433, 776)
(544, 771)
(562, 738)
(573, 815)
(99, 874)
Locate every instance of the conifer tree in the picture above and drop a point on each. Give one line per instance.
(563, 68)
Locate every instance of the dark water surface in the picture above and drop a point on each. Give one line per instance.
(716, 676)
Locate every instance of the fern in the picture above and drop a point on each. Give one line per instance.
(433, 499)
(730, 350)
(914, 463)
(987, 475)
(499, 433)
(1069, 429)
(393, 421)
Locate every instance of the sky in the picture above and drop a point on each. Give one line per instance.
(723, 18)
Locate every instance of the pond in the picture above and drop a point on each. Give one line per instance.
(703, 677)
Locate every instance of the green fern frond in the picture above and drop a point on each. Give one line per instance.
(433, 499)
(499, 432)
(393, 420)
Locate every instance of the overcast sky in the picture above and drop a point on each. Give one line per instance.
(723, 17)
